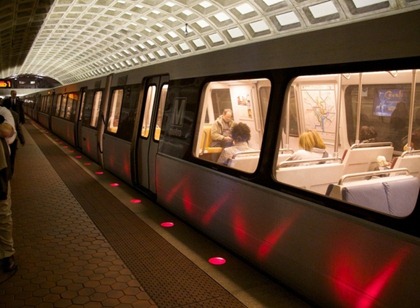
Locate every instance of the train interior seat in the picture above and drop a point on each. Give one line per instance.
(395, 195)
(363, 157)
(205, 142)
(409, 160)
(312, 174)
(246, 161)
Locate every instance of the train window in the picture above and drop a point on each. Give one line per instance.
(42, 109)
(352, 131)
(87, 108)
(97, 99)
(162, 100)
(91, 108)
(235, 105)
(114, 113)
(128, 111)
(72, 99)
(148, 108)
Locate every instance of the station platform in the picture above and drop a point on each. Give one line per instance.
(83, 238)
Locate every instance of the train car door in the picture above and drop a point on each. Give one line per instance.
(155, 90)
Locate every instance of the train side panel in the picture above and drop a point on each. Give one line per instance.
(64, 129)
(334, 259)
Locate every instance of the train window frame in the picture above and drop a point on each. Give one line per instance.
(115, 110)
(336, 174)
(148, 110)
(246, 103)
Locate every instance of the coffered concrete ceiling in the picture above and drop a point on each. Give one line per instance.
(73, 40)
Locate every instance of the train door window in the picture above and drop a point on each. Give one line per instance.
(82, 104)
(58, 105)
(42, 104)
(128, 111)
(148, 108)
(332, 156)
(115, 110)
(244, 102)
(97, 99)
(63, 105)
(163, 93)
(87, 108)
(49, 103)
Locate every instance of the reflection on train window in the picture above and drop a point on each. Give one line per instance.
(358, 139)
(97, 99)
(115, 110)
(148, 108)
(244, 102)
(162, 100)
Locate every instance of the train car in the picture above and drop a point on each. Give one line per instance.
(341, 229)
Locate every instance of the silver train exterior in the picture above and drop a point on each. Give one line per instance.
(333, 254)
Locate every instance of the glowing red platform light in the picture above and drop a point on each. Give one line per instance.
(78, 156)
(135, 201)
(217, 261)
(99, 172)
(87, 164)
(114, 184)
(167, 224)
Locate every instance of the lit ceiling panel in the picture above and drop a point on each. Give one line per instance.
(82, 39)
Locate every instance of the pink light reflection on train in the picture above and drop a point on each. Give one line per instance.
(357, 290)
(208, 216)
(272, 238)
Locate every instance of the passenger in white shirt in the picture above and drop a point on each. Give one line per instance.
(312, 147)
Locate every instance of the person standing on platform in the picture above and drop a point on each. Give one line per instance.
(16, 104)
(20, 138)
(7, 136)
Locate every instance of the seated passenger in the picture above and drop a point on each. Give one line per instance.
(221, 130)
(415, 140)
(367, 134)
(240, 135)
(312, 147)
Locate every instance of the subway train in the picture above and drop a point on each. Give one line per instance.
(341, 229)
